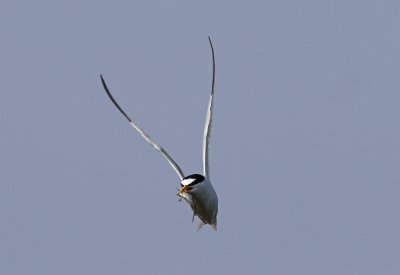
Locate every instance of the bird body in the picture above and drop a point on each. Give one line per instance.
(196, 189)
(203, 200)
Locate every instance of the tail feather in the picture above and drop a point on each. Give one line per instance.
(214, 225)
(200, 225)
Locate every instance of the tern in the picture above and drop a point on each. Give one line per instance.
(196, 189)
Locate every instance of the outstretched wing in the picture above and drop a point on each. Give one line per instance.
(207, 126)
(174, 165)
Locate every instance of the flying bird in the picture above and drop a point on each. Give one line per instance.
(195, 189)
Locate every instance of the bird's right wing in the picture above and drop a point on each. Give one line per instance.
(174, 165)
(207, 126)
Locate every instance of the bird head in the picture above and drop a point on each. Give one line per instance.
(190, 183)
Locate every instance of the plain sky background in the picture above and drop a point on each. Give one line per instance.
(304, 150)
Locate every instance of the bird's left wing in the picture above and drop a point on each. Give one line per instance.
(207, 126)
(174, 165)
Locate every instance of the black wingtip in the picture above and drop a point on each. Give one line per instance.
(104, 83)
(209, 40)
(213, 66)
(113, 100)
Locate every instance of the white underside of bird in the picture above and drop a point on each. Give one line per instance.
(204, 203)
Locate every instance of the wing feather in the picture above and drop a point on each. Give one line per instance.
(170, 160)
(207, 126)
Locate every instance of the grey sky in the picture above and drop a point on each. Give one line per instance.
(304, 148)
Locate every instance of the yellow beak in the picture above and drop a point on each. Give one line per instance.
(184, 188)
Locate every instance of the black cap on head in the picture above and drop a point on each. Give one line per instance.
(192, 180)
